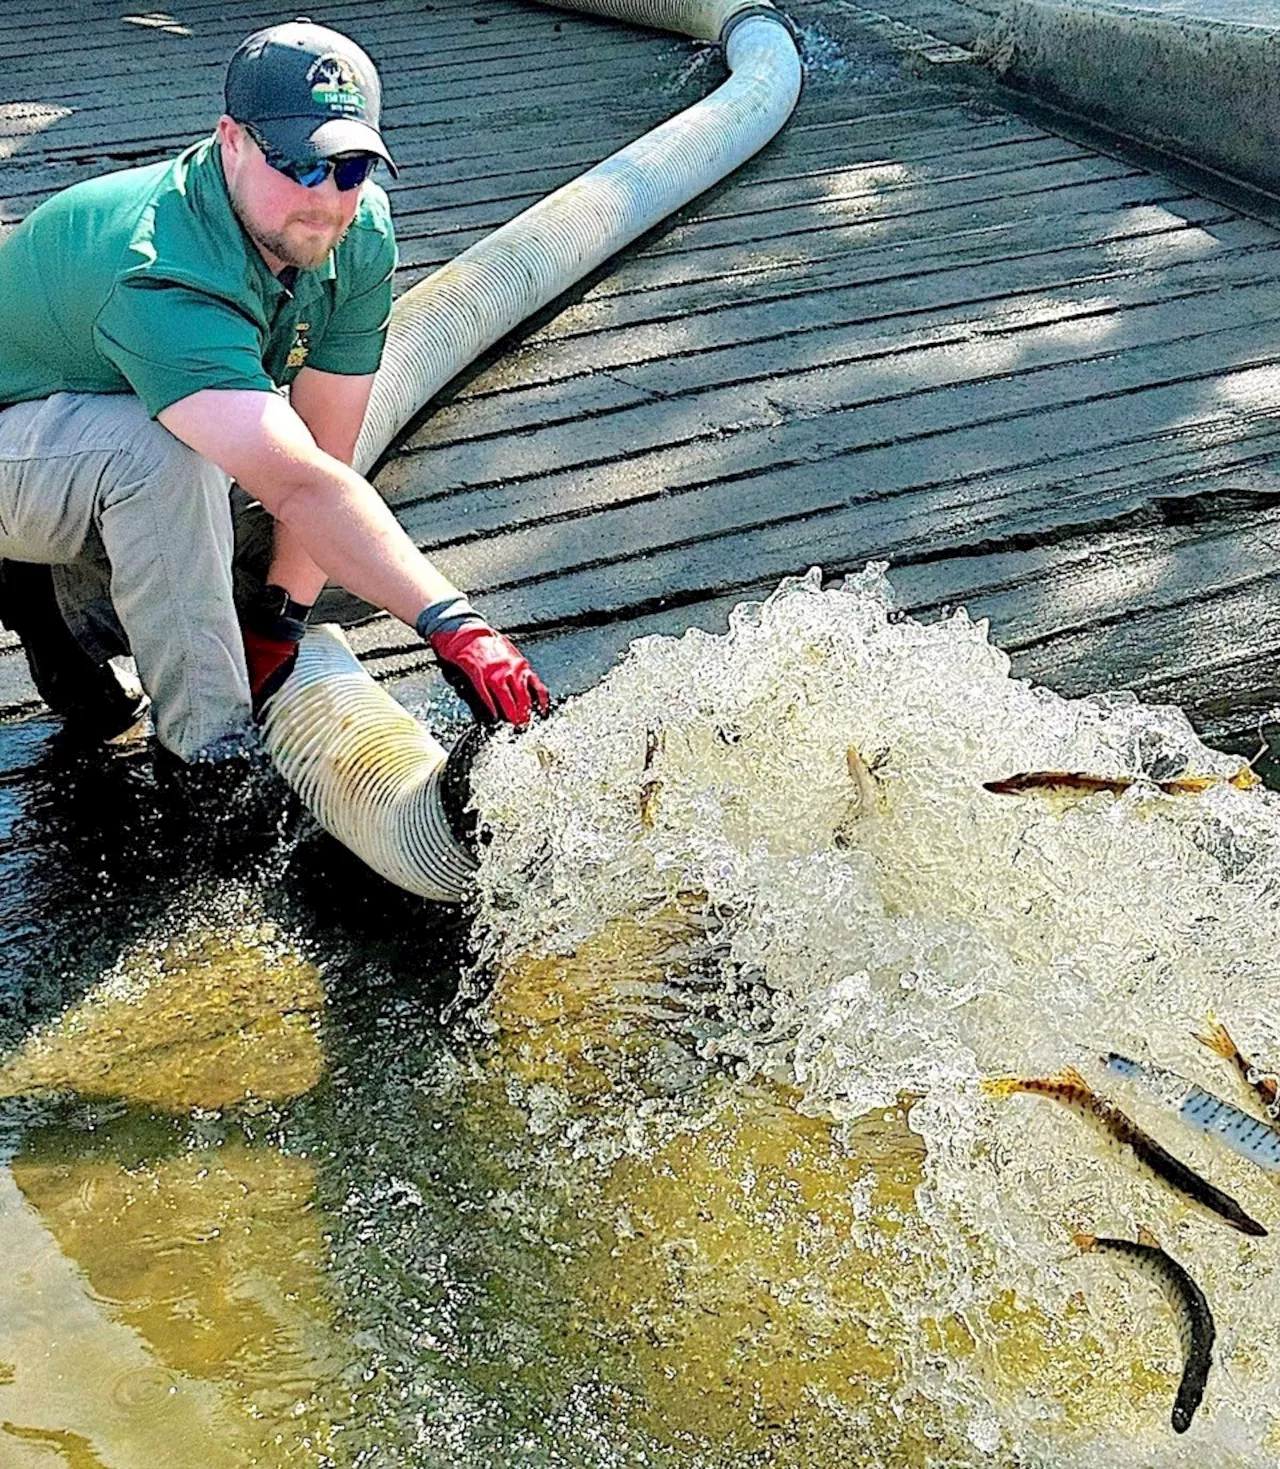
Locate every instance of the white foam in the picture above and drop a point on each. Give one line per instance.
(912, 932)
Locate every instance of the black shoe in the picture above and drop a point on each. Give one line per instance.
(93, 700)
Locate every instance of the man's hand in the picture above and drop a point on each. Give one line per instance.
(482, 666)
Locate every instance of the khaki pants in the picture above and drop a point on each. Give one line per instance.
(138, 529)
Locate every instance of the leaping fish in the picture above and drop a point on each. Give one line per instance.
(1257, 1141)
(650, 783)
(1073, 1091)
(1190, 1312)
(1077, 783)
(1265, 1085)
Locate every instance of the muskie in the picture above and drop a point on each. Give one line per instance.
(1190, 1312)
(1072, 1090)
(1264, 1084)
(1076, 783)
(1257, 1141)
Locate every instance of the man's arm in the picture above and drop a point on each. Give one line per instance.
(332, 406)
(334, 515)
(339, 522)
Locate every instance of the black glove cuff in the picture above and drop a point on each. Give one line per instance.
(447, 615)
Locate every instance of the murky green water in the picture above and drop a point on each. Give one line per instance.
(268, 1208)
(704, 1179)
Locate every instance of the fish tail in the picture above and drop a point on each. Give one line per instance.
(1002, 1086)
(1217, 1037)
(1086, 1242)
(1066, 1086)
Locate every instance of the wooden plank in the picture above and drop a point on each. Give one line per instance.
(218, 30)
(496, 198)
(697, 348)
(174, 127)
(975, 473)
(416, 96)
(1029, 364)
(422, 249)
(412, 50)
(828, 193)
(562, 151)
(1005, 197)
(869, 504)
(660, 274)
(1215, 536)
(462, 154)
(922, 247)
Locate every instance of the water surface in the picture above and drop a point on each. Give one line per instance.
(696, 1172)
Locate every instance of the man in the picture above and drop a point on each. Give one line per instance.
(148, 319)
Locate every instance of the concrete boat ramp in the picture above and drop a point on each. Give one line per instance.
(1034, 369)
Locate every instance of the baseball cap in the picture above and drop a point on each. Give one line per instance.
(311, 92)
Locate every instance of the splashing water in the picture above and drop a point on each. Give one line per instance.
(874, 928)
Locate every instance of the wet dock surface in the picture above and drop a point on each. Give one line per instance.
(1039, 380)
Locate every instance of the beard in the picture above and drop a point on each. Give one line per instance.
(304, 249)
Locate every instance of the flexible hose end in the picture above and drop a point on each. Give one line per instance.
(455, 790)
(759, 10)
(366, 769)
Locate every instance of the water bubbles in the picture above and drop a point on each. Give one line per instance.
(803, 799)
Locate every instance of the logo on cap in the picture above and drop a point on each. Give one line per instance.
(336, 86)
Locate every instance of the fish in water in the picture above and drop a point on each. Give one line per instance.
(868, 793)
(650, 783)
(1265, 1085)
(1190, 1312)
(1074, 783)
(1257, 1141)
(1073, 1091)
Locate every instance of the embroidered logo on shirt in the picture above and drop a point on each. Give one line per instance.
(301, 345)
(335, 84)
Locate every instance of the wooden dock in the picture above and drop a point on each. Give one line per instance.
(1037, 377)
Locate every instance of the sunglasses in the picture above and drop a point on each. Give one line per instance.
(349, 170)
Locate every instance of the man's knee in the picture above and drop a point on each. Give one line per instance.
(158, 457)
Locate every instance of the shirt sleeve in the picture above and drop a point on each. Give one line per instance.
(357, 331)
(169, 341)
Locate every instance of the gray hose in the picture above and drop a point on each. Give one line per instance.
(336, 737)
(450, 318)
(704, 20)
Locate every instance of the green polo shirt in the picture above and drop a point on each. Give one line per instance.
(144, 281)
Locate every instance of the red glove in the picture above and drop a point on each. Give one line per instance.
(491, 674)
(272, 627)
(483, 667)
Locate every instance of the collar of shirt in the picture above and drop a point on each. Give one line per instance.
(201, 176)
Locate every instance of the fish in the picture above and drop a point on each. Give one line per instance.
(868, 797)
(1073, 1091)
(1265, 1085)
(1257, 1141)
(1190, 1309)
(1076, 783)
(650, 784)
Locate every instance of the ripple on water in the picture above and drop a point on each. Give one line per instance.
(141, 1388)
